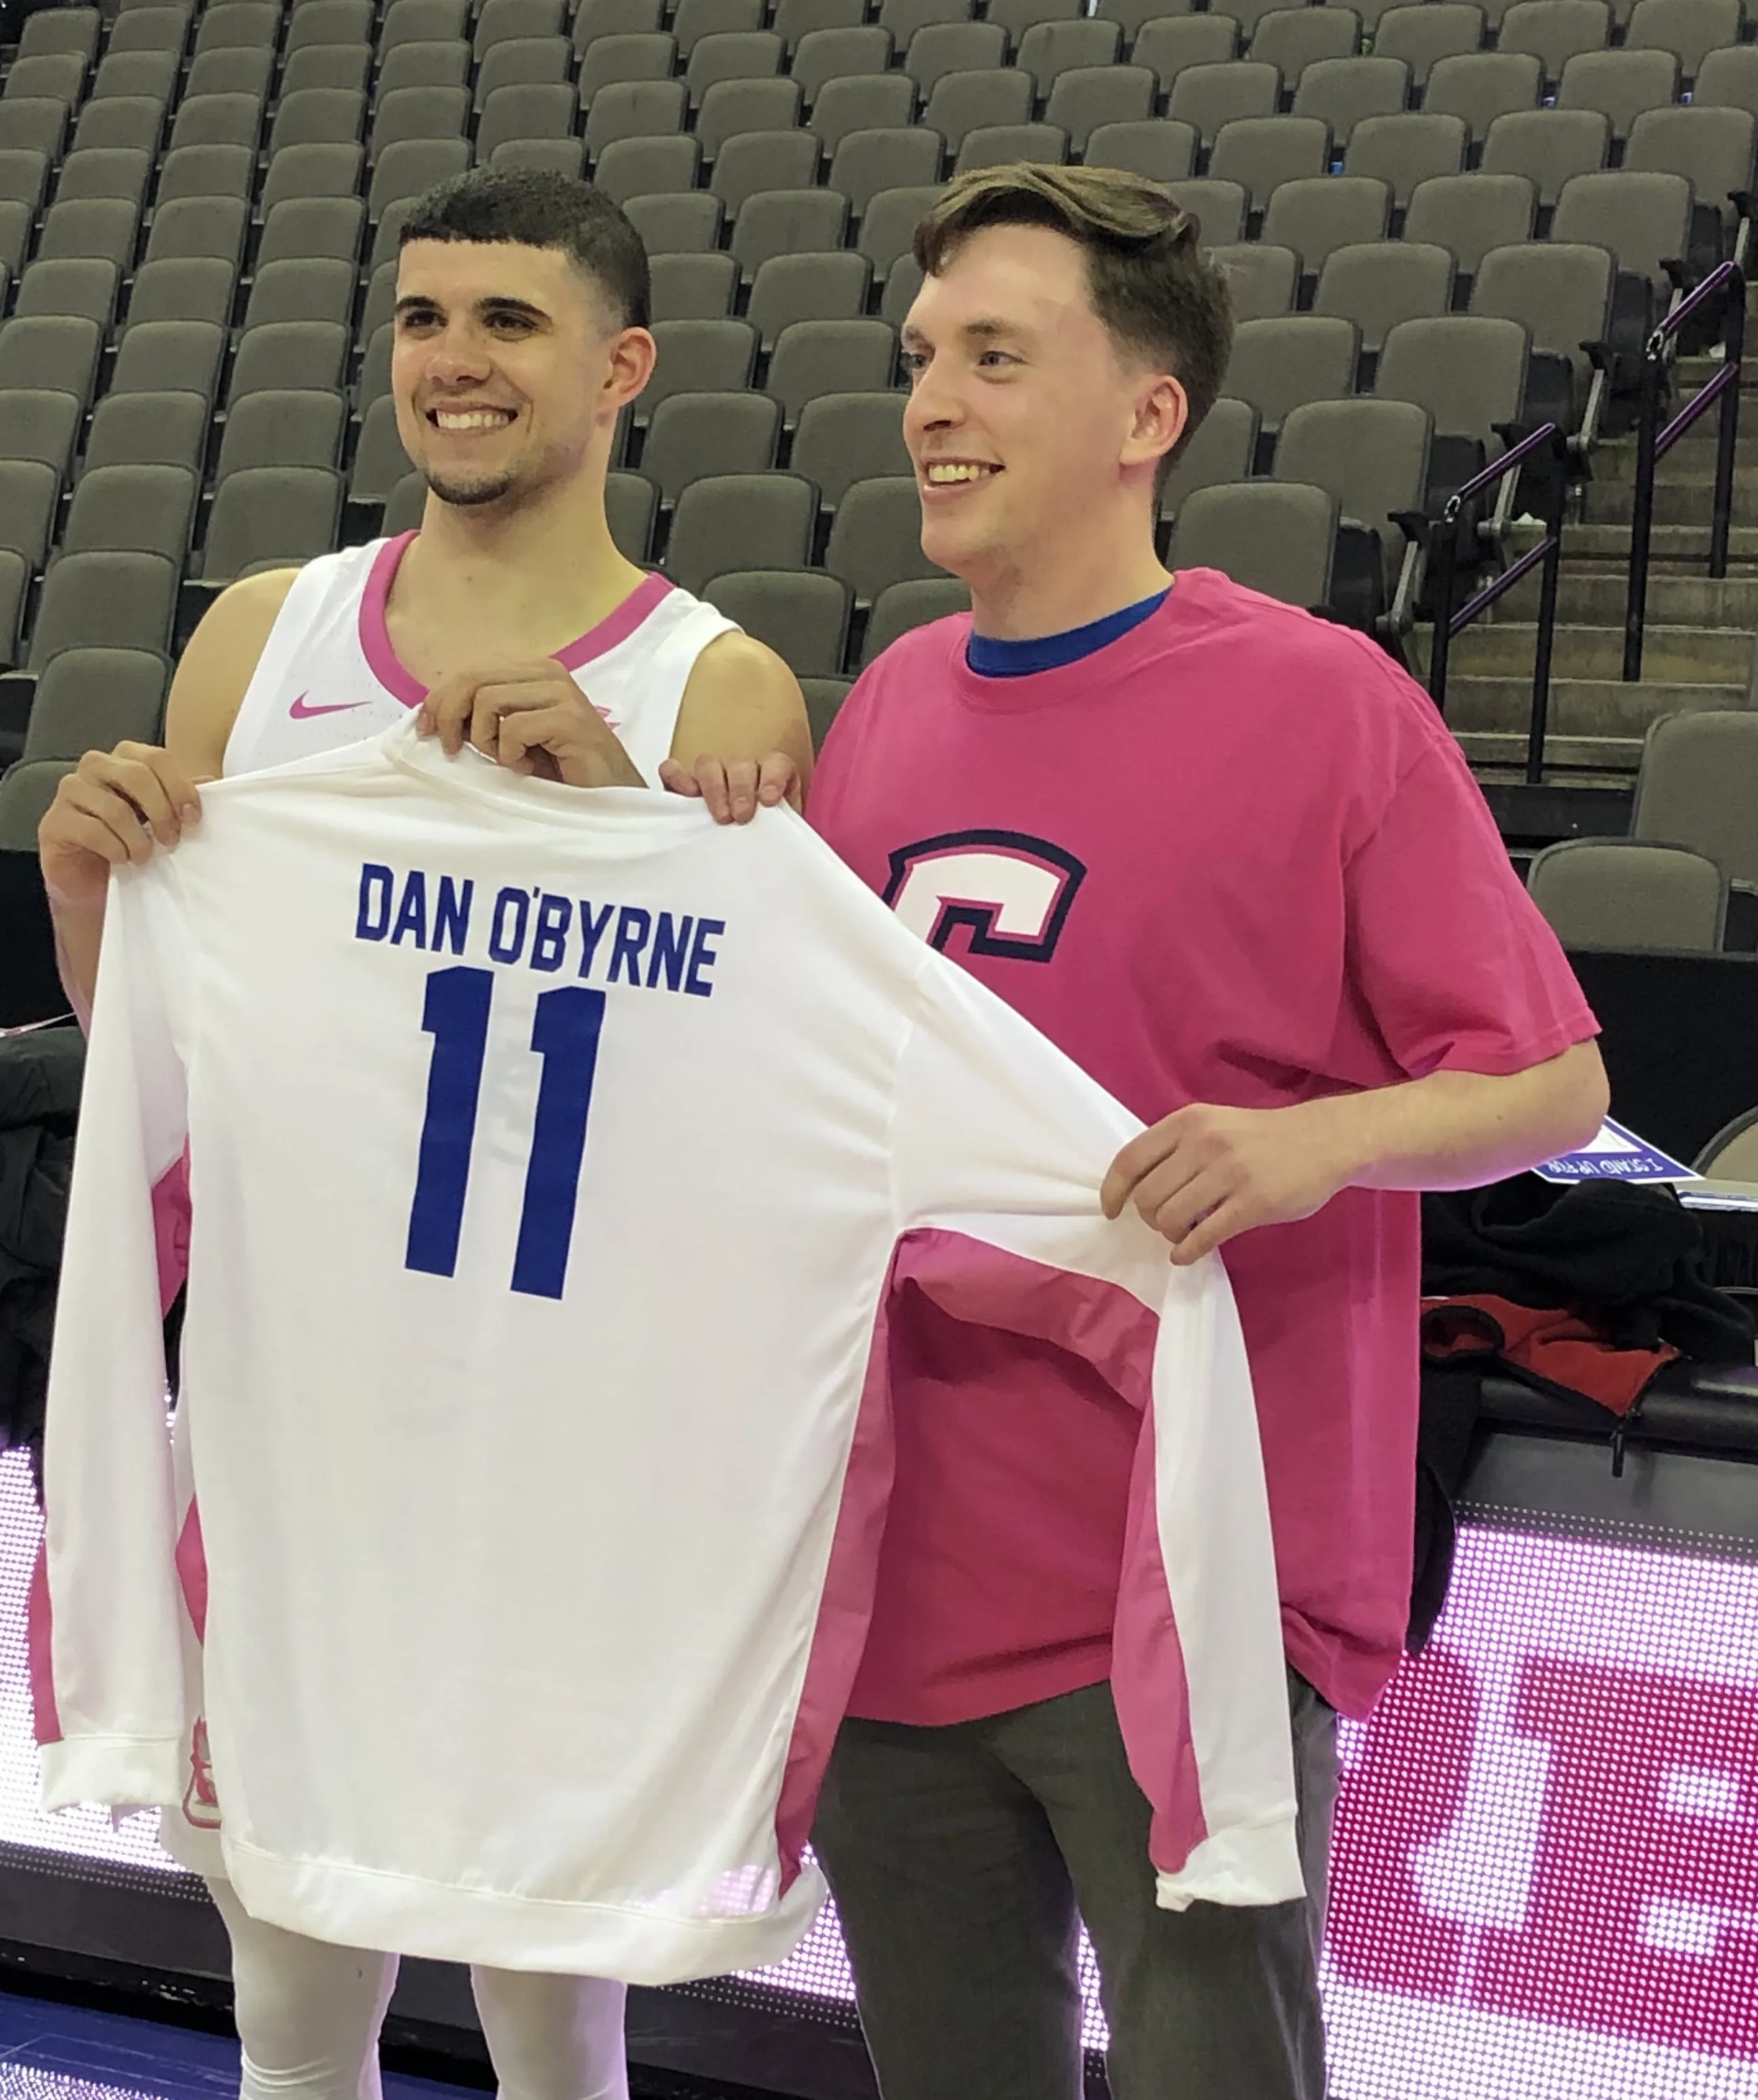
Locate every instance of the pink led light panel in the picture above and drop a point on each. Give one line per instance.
(1545, 1870)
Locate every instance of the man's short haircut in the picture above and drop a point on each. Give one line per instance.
(535, 207)
(1152, 287)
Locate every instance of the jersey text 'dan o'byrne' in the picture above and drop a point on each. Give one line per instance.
(606, 943)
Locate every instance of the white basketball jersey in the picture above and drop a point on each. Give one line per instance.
(328, 675)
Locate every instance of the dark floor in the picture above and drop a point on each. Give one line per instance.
(52, 2050)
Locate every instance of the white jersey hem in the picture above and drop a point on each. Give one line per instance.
(406, 1915)
(1255, 1865)
(122, 1772)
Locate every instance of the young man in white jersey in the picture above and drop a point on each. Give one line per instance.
(1228, 858)
(511, 620)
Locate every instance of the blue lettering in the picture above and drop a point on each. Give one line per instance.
(671, 948)
(549, 942)
(452, 915)
(632, 926)
(411, 913)
(702, 958)
(373, 920)
(591, 932)
(506, 942)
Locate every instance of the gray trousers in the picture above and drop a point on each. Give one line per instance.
(963, 1860)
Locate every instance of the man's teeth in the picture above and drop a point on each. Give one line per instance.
(474, 419)
(949, 470)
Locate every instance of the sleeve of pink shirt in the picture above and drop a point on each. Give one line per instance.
(1458, 968)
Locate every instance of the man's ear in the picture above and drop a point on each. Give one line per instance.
(632, 356)
(1162, 410)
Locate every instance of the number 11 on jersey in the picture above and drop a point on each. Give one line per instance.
(565, 1031)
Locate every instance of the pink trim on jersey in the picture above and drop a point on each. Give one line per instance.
(170, 1229)
(1148, 1679)
(39, 1648)
(403, 685)
(845, 1606)
(192, 1563)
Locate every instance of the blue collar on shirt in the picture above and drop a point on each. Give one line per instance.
(990, 658)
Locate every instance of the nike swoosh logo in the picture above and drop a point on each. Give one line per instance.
(300, 712)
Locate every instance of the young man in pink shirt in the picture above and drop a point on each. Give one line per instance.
(1229, 859)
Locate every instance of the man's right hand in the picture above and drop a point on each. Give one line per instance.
(114, 807)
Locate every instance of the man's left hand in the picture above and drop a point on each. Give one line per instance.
(1205, 1174)
(531, 718)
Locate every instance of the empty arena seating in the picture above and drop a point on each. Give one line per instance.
(1425, 211)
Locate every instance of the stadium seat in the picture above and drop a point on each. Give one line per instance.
(144, 29)
(694, 19)
(24, 177)
(815, 357)
(944, 47)
(438, 62)
(1644, 219)
(242, 71)
(560, 156)
(1277, 537)
(1403, 150)
(1210, 97)
(1630, 894)
(167, 429)
(165, 357)
(903, 282)
(1049, 49)
(1345, 92)
(648, 167)
(692, 287)
(409, 167)
(1561, 294)
(822, 696)
(876, 536)
(309, 171)
(1262, 278)
(136, 121)
(615, 18)
(1468, 370)
(310, 228)
(200, 288)
(1696, 788)
(676, 223)
(531, 110)
(1711, 148)
(1690, 29)
(29, 490)
(108, 227)
(888, 227)
(309, 290)
(38, 125)
(322, 117)
(1292, 38)
(621, 61)
(999, 145)
(232, 121)
(633, 109)
(791, 223)
(842, 438)
(404, 506)
(632, 503)
(1222, 449)
(26, 791)
(802, 614)
(796, 20)
(1377, 284)
(425, 114)
(1163, 151)
(1087, 97)
(317, 23)
(57, 352)
(1483, 85)
(380, 462)
(1424, 36)
(698, 433)
(55, 76)
(1372, 455)
(1620, 84)
(92, 601)
(269, 515)
(752, 55)
(699, 357)
(120, 509)
(93, 699)
(961, 103)
(1470, 214)
(507, 21)
(1554, 31)
(903, 19)
(760, 520)
(277, 427)
(36, 423)
(1261, 153)
(1727, 80)
(78, 285)
(328, 65)
(104, 171)
(522, 62)
(1218, 208)
(14, 581)
(1316, 215)
(289, 354)
(206, 171)
(1547, 146)
(1169, 47)
(422, 21)
(795, 288)
(733, 107)
(1277, 365)
(829, 59)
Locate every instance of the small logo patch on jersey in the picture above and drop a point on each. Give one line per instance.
(300, 712)
(1010, 892)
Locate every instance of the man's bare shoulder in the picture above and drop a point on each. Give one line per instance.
(214, 672)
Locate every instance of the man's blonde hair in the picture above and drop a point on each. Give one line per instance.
(1161, 297)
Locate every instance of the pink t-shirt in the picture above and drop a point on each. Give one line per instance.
(1234, 856)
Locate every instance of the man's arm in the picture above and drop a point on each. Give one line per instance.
(1205, 1173)
(742, 740)
(122, 805)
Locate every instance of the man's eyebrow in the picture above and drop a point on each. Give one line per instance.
(497, 303)
(985, 329)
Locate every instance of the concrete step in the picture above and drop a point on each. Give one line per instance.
(1680, 547)
(1499, 754)
(1692, 458)
(1685, 656)
(1678, 500)
(1599, 709)
(1594, 597)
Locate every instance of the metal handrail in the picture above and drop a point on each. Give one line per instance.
(1726, 282)
(1548, 438)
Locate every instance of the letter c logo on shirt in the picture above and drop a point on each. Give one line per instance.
(1010, 892)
